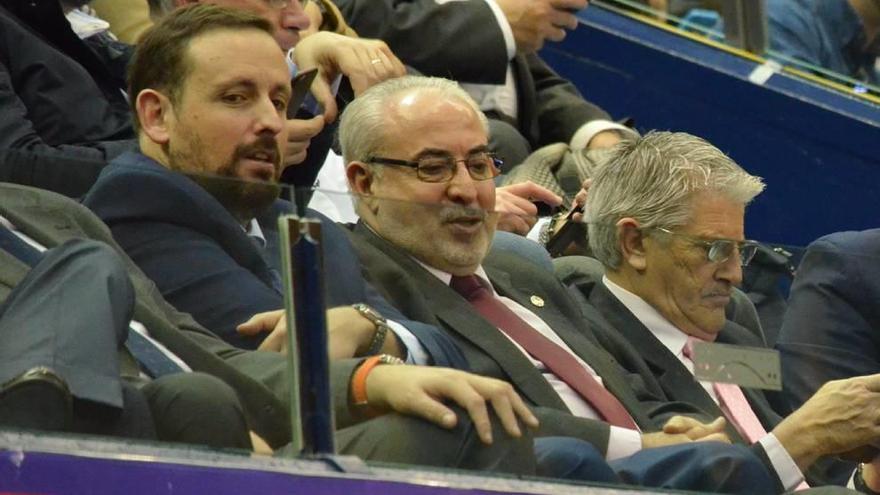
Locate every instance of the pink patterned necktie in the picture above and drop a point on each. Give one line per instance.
(736, 407)
(734, 404)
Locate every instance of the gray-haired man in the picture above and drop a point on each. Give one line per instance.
(666, 220)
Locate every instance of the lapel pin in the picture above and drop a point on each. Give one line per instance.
(537, 301)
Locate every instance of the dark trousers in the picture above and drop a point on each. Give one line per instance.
(402, 439)
(702, 466)
(199, 409)
(70, 313)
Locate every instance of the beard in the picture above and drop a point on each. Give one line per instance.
(421, 230)
(245, 199)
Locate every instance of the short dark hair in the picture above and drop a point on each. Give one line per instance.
(160, 60)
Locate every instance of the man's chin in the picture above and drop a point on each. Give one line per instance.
(242, 198)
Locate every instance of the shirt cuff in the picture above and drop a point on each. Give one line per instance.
(622, 442)
(789, 474)
(415, 352)
(535, 233)
(582, 136)
(509, 40)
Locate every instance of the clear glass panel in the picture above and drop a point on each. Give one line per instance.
(223, 269)
(703, 18)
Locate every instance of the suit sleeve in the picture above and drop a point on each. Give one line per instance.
(561, 109)
(66, 169)
(456, 40)
(556, 423)
(218, 292)
(830, 330)
(440, 348)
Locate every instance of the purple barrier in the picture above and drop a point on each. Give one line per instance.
(31, 464)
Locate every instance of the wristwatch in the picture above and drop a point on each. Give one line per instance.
(359, 381)
(381, 327)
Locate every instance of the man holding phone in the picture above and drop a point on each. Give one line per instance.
(364, 62)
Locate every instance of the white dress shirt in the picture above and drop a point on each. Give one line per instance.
(674, 340)
(622, 442)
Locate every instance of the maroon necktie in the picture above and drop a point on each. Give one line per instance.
(559, 361)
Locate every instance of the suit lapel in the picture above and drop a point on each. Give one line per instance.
(458, 316)
(674, 378)
(581, 341)
(525, 90)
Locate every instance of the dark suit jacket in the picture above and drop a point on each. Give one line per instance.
(655, 361)
(462, 41)
(205, 264)
(673, 376)
(57, 100)
(831, 330)
(50, 220)
(421, 296)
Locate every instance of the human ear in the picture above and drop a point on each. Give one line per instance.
(154, 111)
(632, 243)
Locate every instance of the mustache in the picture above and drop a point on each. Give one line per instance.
(264, 144)
(454, 212)
(719, 291)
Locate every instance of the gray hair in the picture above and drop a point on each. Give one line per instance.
(653, 179)
(362, 125)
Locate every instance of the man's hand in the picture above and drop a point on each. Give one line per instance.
(514, 204)
(696, 430)
(364, 62)
(420, 391)
(663, 439)
(839, 418)
(273, 322)
(349, 334)
(299, 135)
(580, 200)
(534, 21)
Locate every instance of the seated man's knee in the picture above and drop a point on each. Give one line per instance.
(458, 447)
(103, 260)
(197, 408)
(571, 459)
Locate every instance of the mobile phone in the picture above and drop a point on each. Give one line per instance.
(568, 233)
(545, 210)
(300, 85)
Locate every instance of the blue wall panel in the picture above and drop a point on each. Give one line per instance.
(818, 150)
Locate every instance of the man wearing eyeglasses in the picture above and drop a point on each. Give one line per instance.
(417, 159)
(666, 221)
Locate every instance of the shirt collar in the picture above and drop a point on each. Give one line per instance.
(447, 277)
(254, 231)
(671, 337)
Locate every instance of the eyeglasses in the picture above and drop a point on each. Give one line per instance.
(280, 4)
(720, 250)
(482, 165)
